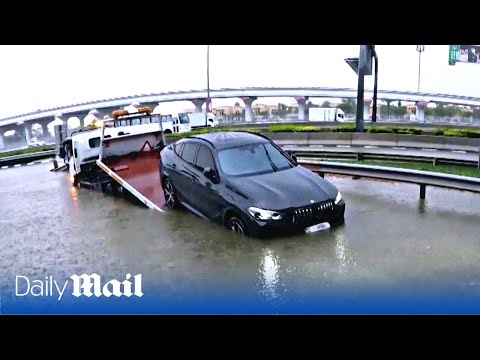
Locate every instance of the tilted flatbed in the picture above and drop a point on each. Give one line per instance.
(139, 175)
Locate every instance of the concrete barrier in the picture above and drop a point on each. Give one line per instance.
(421, 141)
(462, 144)
(290, 138)
(368, 139)
(329, 138)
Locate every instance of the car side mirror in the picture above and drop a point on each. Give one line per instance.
(292, 156)
(210, 174)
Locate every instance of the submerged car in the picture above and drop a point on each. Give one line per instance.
(247, 183)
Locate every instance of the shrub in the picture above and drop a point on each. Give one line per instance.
(380, 130)
(454, 132)
(439, 131)
(345, 128)
(298, 128)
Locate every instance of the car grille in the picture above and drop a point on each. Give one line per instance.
(313, 214)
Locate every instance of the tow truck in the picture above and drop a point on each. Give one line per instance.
(120, 155)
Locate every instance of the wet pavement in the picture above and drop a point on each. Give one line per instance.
(391, 239)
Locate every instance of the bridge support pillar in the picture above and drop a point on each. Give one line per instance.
(198, 104)
(45, 132)
(301, 100)
(28, 131)
(2, 141)
(366, 109)
(421, 105)
(248, 100)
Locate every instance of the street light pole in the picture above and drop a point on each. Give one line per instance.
(420, 49)
(208, 79)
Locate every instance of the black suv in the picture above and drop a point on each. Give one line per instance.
(247, 183)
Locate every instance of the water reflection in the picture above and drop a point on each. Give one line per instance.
(269, 275)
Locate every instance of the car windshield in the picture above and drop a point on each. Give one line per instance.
(252, 159)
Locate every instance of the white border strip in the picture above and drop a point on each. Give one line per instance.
(127, 186)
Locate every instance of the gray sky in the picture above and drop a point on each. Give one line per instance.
(41, 76)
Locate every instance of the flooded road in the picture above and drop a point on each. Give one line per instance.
(391, 241)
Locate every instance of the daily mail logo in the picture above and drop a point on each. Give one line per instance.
(82, 285)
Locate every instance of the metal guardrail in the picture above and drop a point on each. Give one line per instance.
(422, 178)
(26, 157)
(384, 154)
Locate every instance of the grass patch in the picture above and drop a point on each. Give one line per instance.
(445, 169)
(27, 151)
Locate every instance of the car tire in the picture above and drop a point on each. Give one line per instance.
(170, 194)
(236, 225)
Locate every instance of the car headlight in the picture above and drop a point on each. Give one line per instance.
(338, 198)
(263, 215)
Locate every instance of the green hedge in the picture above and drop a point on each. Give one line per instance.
(462, 133)
(394, 130)
(298, 128)
(27, 151)
(207, 130)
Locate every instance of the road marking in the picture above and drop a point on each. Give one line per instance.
(398, 148)
(4, 167)
(371, 146)
(459, 151)
(17, 165)
(343, 146)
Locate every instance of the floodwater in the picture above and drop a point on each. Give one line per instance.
(390, 239)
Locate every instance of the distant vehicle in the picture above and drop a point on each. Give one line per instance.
(36, 143)
(413, 117)
(202, 120)
(248, 184)
(176, 124)
(326, 114)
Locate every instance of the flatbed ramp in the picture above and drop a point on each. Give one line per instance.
(133, 162)
(138, 175)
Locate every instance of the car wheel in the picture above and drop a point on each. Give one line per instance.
(236, 225)
(170, 194)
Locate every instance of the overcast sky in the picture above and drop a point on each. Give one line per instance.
(41, 76)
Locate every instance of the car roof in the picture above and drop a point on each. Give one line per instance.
(227, 139)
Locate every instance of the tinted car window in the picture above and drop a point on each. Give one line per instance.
(189, 151)
(178, 149)
(252, 159)
(205, 158)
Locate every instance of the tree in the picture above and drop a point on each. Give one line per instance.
(282, 110)
(399, 103)
(326, 104)
(348, 106)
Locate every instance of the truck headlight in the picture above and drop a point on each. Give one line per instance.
(263, 215)
(338, 198)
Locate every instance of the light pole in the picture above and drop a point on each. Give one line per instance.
(208, 81)
(420, 49)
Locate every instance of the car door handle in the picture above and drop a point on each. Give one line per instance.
(174, 166)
